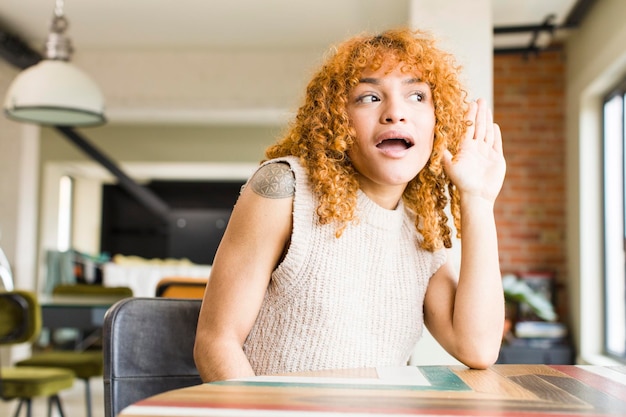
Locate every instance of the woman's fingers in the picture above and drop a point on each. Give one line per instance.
(489, 128)
(483, 127)
(481, 120)
(471, 117)
(497, 138)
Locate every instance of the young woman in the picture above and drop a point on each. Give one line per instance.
(334, 256)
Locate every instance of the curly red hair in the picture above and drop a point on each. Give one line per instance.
(322, 133)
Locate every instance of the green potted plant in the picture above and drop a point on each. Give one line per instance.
(518, 292)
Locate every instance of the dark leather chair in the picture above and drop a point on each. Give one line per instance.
(148, 349)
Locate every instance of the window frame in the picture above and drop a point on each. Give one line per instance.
(618, 90)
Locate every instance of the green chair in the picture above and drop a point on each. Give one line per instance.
(92, 290)
(20, 322)
(85, 364)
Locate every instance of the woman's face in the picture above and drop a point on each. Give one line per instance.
(393, 115)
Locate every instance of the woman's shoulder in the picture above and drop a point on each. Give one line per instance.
(274, 179)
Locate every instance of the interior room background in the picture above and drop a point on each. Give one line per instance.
(529, 104)
(548, 105)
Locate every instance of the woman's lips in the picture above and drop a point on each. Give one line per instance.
(395, 147)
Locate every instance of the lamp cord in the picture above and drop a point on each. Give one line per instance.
(58, 8)
(58, 46)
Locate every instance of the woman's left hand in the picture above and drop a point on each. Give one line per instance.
(478, 168)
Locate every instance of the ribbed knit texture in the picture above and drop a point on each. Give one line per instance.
(353, 301)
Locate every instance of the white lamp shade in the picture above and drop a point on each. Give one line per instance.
(55, 92)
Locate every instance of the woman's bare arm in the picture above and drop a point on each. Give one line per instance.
(252, 246)
(466, 315)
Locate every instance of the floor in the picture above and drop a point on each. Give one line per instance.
(73, 401)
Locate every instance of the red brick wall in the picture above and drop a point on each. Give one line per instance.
(529, 106)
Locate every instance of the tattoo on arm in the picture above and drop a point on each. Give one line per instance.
(274, 181)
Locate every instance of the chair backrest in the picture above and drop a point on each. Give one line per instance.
(20, 317)
(148, 349)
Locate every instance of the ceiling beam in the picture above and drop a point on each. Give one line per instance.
(16, 52)
(576, 15)
(143, 194)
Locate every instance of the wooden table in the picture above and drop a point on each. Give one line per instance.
(84, 313)
(74, 311)
(502, 390)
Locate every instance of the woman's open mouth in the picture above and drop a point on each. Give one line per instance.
(395, 144)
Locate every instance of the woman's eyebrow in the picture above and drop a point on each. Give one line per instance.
(414, 80)
(376, 81)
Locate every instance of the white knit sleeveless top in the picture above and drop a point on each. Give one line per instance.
(348, 302)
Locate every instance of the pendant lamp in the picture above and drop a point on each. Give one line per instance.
(55, 92)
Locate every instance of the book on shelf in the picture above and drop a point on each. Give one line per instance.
(538, 342)
(540, 329)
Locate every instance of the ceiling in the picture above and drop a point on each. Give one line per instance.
(125, 24)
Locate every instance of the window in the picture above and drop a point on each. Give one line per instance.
(615, 222)
(66, 198)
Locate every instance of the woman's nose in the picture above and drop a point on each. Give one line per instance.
(393, 112)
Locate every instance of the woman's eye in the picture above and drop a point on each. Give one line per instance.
(417, 96)
(368, 98)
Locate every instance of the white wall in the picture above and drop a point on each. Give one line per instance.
(19, 161)
(596, 60)
(464, 28)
